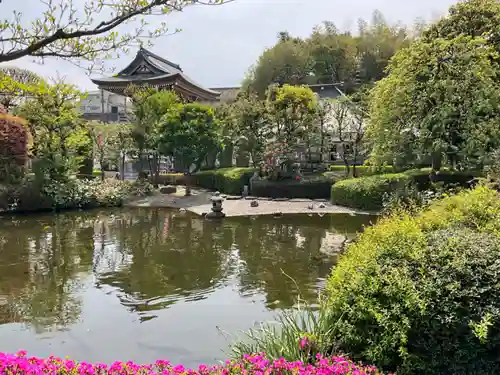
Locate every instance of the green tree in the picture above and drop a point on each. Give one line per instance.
(56, 130)
(148, 108)
(292, 109)
(86, 30)
(16, 83)
(377, 42)
(474, 18)
(287, 62)
(440, 101)
(252, 126)
(334, 55)
(189, 132)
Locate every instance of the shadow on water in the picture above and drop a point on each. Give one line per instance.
(141, 263)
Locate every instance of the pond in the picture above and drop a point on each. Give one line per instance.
(145, 284)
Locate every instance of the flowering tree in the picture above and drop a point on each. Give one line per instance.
(13, 146)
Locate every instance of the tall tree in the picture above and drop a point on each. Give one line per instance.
(85, 30)
(287, 62)
(440, 101)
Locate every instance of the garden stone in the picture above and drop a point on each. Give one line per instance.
(311, 207)
(249, 198)
(233, 197)
(245, 191)
(169, 189)
(216, 207)
(254, 204)
(281, 199)
(322, 205)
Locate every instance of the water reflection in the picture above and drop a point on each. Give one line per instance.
(146, 261)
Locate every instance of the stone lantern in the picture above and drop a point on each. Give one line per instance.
(216, 213)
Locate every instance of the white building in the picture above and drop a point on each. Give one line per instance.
(101, 105)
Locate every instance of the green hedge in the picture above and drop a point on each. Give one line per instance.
(362, 170)
(225, 180)
(420, 295)
(171, 179)
(312, 189)
(368, 193)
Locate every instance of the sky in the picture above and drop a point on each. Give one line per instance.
(218, 44)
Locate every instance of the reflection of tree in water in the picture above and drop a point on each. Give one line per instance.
(39, 263)
(146, 254)
(282, 256)
(171, 255)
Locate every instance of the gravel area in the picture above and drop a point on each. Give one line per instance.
(199, 203)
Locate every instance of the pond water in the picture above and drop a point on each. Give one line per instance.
(145, 284)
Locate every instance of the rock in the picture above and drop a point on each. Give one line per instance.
(254, 204)
(322, 205)
(278, 214)
(169, 189)
(182, 210)
(311, 207)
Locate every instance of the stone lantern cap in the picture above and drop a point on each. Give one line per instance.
(216, 197)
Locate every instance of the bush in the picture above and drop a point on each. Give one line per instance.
(172, 179)
(369, 193)
(225, 180)
(362, 170)
(21, 364)
(419, 294)
(318, 188)
(32, 196)
(13, 147)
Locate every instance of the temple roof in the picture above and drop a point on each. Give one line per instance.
(152, 69)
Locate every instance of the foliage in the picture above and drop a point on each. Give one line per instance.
(295, 335)
(364, 170)
(329, 55)
(439, 101)
(292, 109)
(56, 130)
(367, 193)
(371, 192)
(316, 188)
(418, 294)
(16, 83)
(288, 62)
(21, 364)
(13, 147)
(474, 18)
(225, 180)
(251, 126)
(189, 132)
(89, 37)
(31, 195)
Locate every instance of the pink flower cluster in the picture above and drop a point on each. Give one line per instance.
(256, 364)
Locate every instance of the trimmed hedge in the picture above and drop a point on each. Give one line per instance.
(368, 193)
(226, 180)
(362, 170)
(312, 189)
(420, 294)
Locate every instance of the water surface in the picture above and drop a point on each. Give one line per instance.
(145, 284)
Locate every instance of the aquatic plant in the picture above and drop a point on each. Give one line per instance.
(22, 364)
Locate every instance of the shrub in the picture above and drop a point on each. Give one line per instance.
(318, 188)
(21, 364)
(172, 179)
(225, 180)
(13, 147)
(419, 294)
(369, 193)
(362, 170)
